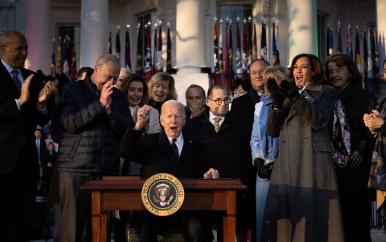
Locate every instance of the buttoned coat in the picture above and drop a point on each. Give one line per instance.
(244, 107)
(18, 125)
(19, 169)
(228, 149)
(353, 181)
(155, 154)
(303, 198)
(355, 196)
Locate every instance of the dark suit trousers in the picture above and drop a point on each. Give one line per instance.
(18, 198)
(75, 206)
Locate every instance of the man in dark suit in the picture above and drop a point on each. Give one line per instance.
(244, 106)
(22, 106)
(40, 144)
(226, 139)
(157, 155)
(195, 101)
(41, 148)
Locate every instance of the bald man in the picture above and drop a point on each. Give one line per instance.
(23, 101)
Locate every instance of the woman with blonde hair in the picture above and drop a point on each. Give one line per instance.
(263, 146)
(161, 89)
(136, 90)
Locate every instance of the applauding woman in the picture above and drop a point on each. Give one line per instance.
(135, 88)
(303, 201)
(375, 121)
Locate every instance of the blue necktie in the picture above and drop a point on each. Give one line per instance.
(16, 79)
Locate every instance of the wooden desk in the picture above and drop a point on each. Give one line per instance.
(124, 193)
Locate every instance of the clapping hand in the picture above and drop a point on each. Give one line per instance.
(289, 89)
(373, 121)
(275, 92)
(105, 97)
(24, 92)
(143, 115)
(45, 93)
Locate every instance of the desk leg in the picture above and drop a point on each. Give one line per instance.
(96, 228)
(229, 221)
(103, 226)
(99, 227)
(99, 218)
(229, 232)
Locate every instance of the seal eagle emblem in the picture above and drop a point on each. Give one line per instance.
(162, 194)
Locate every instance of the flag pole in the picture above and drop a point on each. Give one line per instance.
(155, 49)
(53, 58)
(139, 61)
(160, 63)
(168, 50)
(118, 43)
(239, 69)
(263, 42)
(244, 57)
(339, 38)
(215, 52)
(148, 57)
(275, 51)
(231, 71)
(127, 49)
(254, 40)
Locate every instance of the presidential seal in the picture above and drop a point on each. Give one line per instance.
(162, 194)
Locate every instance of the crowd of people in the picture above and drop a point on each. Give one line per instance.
(307, 141)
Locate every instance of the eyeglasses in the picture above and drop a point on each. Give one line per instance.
(219, 101)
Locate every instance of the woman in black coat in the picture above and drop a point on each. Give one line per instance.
(353, 145)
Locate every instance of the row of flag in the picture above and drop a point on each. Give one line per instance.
(246, 51)
(152, 61)
(370, 48)
(66, 55)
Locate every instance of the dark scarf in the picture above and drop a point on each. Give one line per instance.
(377, 178)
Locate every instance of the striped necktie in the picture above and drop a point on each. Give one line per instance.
(216, 123)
